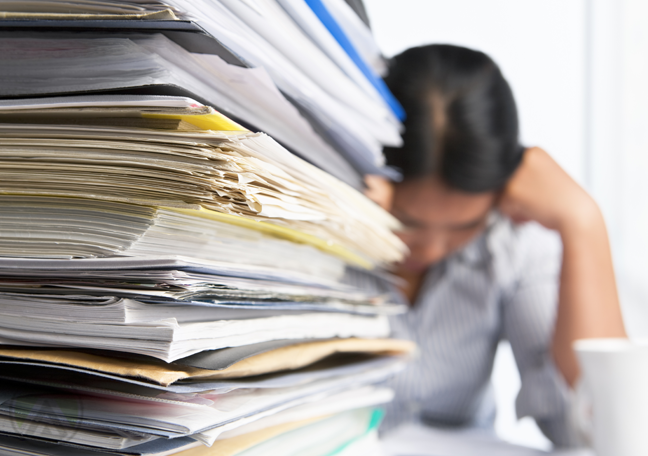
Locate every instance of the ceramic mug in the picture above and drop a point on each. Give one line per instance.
(615, 378)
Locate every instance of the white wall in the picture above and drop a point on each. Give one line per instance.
(618, 151)
(579, 72)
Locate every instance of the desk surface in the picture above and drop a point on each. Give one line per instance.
(420, 440)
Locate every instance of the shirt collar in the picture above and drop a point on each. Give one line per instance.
(478, 252)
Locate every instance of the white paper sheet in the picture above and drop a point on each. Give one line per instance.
(167, 340)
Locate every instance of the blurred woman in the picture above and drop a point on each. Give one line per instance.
(476, 273)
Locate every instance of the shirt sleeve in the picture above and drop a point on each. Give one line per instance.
(529, 310)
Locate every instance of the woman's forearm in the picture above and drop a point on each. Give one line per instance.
(588, 299)
(588, 305)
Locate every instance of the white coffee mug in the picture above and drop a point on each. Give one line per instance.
(615, 377)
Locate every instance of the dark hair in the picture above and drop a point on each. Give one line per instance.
(461, 120)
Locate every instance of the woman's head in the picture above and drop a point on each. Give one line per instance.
(461, 123)
(460, 145)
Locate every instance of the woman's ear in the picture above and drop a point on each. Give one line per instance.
(379, 190)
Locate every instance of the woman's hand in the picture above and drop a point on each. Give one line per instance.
(542, 191)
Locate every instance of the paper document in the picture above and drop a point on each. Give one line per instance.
(290, 357)
(168, 340)
(246, 93)
(240, 174)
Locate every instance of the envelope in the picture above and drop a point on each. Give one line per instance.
(283, 358)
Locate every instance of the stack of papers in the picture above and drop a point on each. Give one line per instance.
(173, 279)
(64, 151)
(117, 63)
(135, 405)
(312, 77)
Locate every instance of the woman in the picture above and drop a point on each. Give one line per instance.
(477, 274)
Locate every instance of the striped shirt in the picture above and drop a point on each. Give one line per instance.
(503, 285)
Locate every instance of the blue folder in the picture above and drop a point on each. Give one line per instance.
(334, 29)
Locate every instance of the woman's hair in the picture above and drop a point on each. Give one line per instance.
(461, 120)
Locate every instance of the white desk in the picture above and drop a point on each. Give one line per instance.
(419, 440)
